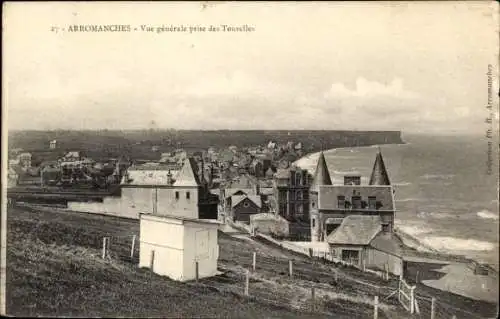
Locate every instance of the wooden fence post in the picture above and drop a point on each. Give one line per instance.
(433, 308)
(416, 278)
(247, 282)
(254, 264)
(412, 299)
(104, 240)
(290, 268)
(152, 261)
(386, 271)
(375, 308)
(313, 298)
(197, 270)
(133, 248)
(453, 317)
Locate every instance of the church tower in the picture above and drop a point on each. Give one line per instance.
(321, 177)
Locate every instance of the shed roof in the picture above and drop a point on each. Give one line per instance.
(356, 230)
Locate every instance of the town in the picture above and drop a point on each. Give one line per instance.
(187, 201)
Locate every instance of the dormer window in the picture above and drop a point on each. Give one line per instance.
(372, 202)
(341, 202)
(356, 202)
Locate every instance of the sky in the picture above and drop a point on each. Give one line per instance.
(415, 67)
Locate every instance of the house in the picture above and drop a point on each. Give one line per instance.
(243, 206)
(330, 204)
(53, 144)
(25, 160)
(158, 192)
(267, 223)
(50, 175)
(13, 176)
(179, 247)
(291, 187)
(257, 168)
(363, 241)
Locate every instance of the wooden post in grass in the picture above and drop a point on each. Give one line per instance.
(247, 282)
(416, 278)
(453, 317)
(152, 261)
(254, 264)
(197, 271)
(290, 268)
(133, 248)
(313, 299)
(375, 308)
(433, 308)
(386, 271)
(104, 244)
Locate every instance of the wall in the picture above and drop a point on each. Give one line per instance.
(337, 252)
(200, 244)
(135, 200)
(166, 238)
(268, 226)
(169, 205)
(377, 259)
(242, 213)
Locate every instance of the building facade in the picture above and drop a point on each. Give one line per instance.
(330, 204)
(291, 190)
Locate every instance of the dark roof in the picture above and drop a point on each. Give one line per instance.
(237, 199)
(321, 175)
(356, 230)
(379, 173)
(328, 195)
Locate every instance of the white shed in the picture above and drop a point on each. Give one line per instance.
(171, 246)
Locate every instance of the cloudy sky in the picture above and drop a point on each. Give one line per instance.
(417, 67)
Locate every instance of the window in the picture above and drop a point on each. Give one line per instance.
(372, 202)
(313, 204)
(314, 222)
(386, 227)
(298, 195)
(298, 179)
(245, 204)
(188, 195)
(176, 195)
(356, 202)
(341, 202)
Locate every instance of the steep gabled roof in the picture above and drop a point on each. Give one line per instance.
(237, 199)
(356, 230)
(379, 173)
(187, 176)
(321, 175)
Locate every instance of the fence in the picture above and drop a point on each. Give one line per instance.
(406, 295)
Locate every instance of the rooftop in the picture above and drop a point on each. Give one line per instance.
(356, 230)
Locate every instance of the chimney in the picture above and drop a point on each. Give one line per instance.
(169, 178)
(352, 180)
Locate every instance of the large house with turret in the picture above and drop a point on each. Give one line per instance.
(331, 204)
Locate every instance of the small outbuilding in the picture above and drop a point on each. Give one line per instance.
(179, 247)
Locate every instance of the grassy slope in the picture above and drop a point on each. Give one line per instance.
(54, 268)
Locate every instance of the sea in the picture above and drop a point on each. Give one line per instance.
(444, 195)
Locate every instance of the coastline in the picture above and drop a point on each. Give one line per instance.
(412, 242)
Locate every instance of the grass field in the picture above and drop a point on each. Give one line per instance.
(55, 268)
